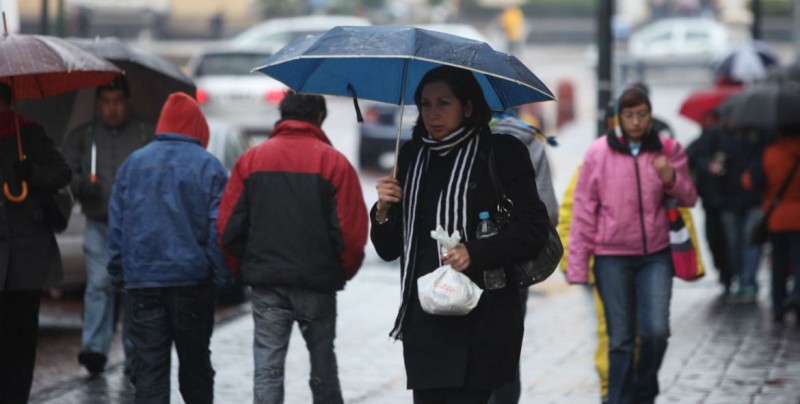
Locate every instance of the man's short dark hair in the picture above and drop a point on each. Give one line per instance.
(305, 107)
(5, 93)
(119, 83)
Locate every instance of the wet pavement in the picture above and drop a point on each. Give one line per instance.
(721, 351)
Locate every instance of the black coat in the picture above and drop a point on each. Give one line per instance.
(740, 149)
(480, 350)
(29, 255)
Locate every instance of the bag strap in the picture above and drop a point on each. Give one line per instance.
(785, 185)
(500, 193)
(504, 205)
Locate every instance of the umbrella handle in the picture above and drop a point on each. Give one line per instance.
(16, 198)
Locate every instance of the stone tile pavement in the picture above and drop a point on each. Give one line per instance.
(720, 352)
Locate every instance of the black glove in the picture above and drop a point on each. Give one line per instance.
(89, 192)
(23, 169)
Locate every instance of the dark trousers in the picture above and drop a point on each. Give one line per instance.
(19, 331)
(785, 263)
(451, 396)
(161, 316)
(717, 243)
(509, 394)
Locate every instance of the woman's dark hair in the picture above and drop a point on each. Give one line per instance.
(304, 107)
(464, 86)
(632, 97)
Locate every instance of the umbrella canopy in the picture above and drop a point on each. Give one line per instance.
(42, 66)
(746, 62)
(699, 103)
(782, 74)
(765, 105)
(386, 63)
(151, 79)
(37, 66)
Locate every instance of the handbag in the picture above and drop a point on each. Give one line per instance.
(684, 255)
(57, 208)
(685, 264)
(759, 233)
(539, 268)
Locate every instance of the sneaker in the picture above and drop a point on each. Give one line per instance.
(93, 362)
(749, 294)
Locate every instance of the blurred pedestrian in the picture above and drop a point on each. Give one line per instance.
(777, 176)
(293, 217)
(512, 20)
(30, 257)
(457, 358)
(711, 189)
(533, 138)
(623, 184)
(164, 252)
(95, 151)
(721, 156)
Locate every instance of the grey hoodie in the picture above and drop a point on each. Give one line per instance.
(544, 181)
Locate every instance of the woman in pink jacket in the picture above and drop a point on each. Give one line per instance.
(619, 218)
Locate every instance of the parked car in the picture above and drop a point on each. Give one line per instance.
(378, 132)
(226, 141)
(679, 39)
(280, 31)
(227, 89)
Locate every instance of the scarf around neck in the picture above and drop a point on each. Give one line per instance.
(451, 202)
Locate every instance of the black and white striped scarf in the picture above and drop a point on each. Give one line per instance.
(451, 206)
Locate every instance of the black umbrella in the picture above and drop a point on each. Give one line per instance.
(151, 79)
(764, 105)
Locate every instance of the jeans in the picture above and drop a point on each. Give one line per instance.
(785, 262)
(636, 292)
(159, 317)
(19, 331)
(275, 309)
(743, 257)
(99, 298)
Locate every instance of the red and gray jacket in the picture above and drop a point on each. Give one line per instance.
(293, 213)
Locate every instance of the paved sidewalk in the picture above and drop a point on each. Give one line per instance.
(720, 352)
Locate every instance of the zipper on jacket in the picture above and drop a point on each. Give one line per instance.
(641, 205)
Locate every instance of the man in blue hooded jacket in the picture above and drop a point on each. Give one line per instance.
(164, 252)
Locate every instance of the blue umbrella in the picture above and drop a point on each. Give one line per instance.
(386, 63)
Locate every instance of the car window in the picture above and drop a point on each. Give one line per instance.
(664, 37)
(229, 64)
(698, 36)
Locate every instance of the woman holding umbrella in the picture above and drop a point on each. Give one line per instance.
(29, 257)
(443, 179)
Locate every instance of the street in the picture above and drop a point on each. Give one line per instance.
(719, 352)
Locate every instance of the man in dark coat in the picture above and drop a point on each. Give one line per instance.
(95, 151)
(29, 256)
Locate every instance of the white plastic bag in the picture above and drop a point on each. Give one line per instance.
(445, 291)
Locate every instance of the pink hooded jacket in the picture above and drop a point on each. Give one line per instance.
(618, 206)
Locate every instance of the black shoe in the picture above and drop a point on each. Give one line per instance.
(93, 362)
(791, 303)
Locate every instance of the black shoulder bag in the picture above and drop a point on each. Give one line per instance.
(539, 268)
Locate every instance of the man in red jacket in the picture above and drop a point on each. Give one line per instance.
(294, 224)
